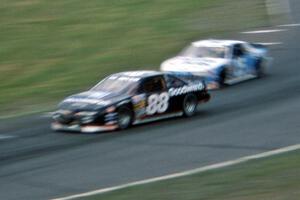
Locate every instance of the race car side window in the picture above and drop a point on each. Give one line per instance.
(238, 51)
(173, 81)
(153, 84)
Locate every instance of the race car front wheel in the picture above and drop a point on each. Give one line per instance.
(222, 78)
(189, 105)
(124, 117)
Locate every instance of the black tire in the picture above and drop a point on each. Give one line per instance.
(189, 105)
(260, 69)
(222, 78)
(125, 117)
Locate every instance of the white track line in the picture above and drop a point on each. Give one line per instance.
(288, 25)
(270, 43)
(4, 137)
(264, 31)
(185, 173)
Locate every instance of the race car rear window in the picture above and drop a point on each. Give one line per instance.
(173, 81)
(204, 51)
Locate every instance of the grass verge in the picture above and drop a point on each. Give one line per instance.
(50, 49)
(274, 178)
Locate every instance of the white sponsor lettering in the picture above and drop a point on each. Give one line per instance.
(185, 89)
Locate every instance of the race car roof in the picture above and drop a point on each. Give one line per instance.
(216, 43)
(138, 74)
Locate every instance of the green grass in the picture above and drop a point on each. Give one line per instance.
(50, 49)
(276, 178)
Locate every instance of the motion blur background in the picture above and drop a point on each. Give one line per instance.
(50, 49)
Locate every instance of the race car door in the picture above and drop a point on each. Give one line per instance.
(174, 83)
(157, 96)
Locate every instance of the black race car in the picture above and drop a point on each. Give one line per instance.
(127, 98)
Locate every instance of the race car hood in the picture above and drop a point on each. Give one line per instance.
(193, 65)
(91, 101)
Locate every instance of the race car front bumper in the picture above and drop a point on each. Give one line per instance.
(82, 128)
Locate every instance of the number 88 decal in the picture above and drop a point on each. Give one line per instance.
(157, 103)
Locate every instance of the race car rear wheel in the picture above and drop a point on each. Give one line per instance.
(125, 117)
(260, 69)
(190, 104)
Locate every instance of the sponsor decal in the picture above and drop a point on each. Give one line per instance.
(138, 98)
(185, 89)
(139, 104)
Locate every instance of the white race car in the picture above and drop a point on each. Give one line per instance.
(220, 62)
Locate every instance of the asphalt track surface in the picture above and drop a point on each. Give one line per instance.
(245, 119)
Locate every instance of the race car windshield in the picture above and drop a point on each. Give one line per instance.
(117, 84)
(203, 51)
